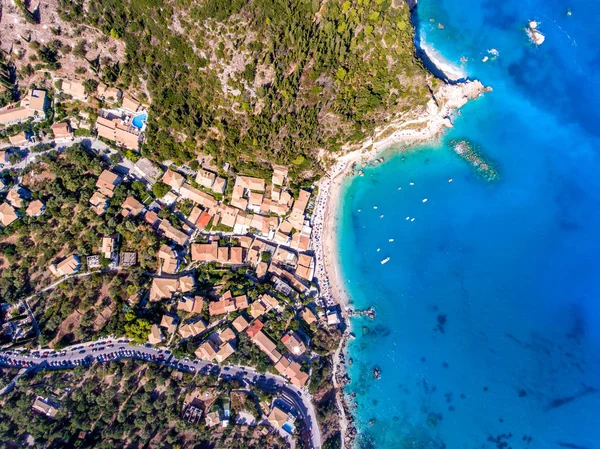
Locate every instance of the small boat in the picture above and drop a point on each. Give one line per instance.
(412, 183)
(424, 200)
(450, 180)
(391, 240)
(386, 260)
(407, 218)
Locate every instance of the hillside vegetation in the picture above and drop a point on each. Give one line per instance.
(262, 80)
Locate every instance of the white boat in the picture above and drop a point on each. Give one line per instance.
(424, 200)
(386, 260)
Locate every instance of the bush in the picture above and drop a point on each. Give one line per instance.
(160, 189)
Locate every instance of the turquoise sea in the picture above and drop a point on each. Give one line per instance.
(487, 331)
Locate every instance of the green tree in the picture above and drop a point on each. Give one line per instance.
(160, 189)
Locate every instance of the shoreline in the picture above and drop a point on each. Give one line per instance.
(426, 127)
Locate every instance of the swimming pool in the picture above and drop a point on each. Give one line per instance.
(139, 120)
(287, 427)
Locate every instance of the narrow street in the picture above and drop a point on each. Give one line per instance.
(107, 350)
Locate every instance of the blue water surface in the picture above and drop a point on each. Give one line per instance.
(487, 332)
(139, 120)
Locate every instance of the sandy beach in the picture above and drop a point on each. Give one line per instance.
(400, 132)
(332, 285)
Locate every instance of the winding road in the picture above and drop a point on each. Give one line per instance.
(106, 350)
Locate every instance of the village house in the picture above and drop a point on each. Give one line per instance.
(285, 257)
(16, 196)
(2, 186)
(210, 180)
(280, 174)
(282, 280)
(278, 417)
(35, 208)
(155, 336)
(167, 259)
(62, 131)
(169, 322)
(293, 342)
(305, 267)
(207, 350)
(67, 267)
(171, 232)
(219, 185)
(198, 196)
(131, 207)
(151, 218)
(75, 89)
(204, 252)
(169, 198)
(165, 287)
(130, 103)
(200, 218)
(212, 419)
(191, 305)
(173, 179)
(3, 157)
(146, 171)
(98, 203)
(291, 370)
(192, 328)
(240, 324)
(109, 245)
(8, 214)
(116, 130)
(108, 94)
(308, 317)
(333, 318)
(221, 307)
(32, 106)
(262, 305)
(300, 241)
(224, 352)
(264, 343)
(205, 178)
(45, 406)
(107, 182)
(18, 139)
(261, 270)
(128, 259)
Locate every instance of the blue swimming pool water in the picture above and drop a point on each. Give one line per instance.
(139, 120)
(488, 312)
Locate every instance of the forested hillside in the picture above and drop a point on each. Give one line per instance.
(255, 80)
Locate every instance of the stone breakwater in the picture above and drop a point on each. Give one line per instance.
(472, 155)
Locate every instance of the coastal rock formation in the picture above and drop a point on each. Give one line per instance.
(466, 151)
(370, 312)
(534, 34)
(376, 373)
(424, 124)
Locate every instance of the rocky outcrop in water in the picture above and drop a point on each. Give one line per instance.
(370, 312)
(472, 155)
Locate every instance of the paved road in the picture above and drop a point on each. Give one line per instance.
(86, 354)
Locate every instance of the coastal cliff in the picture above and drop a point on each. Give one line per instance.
(421, 124)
